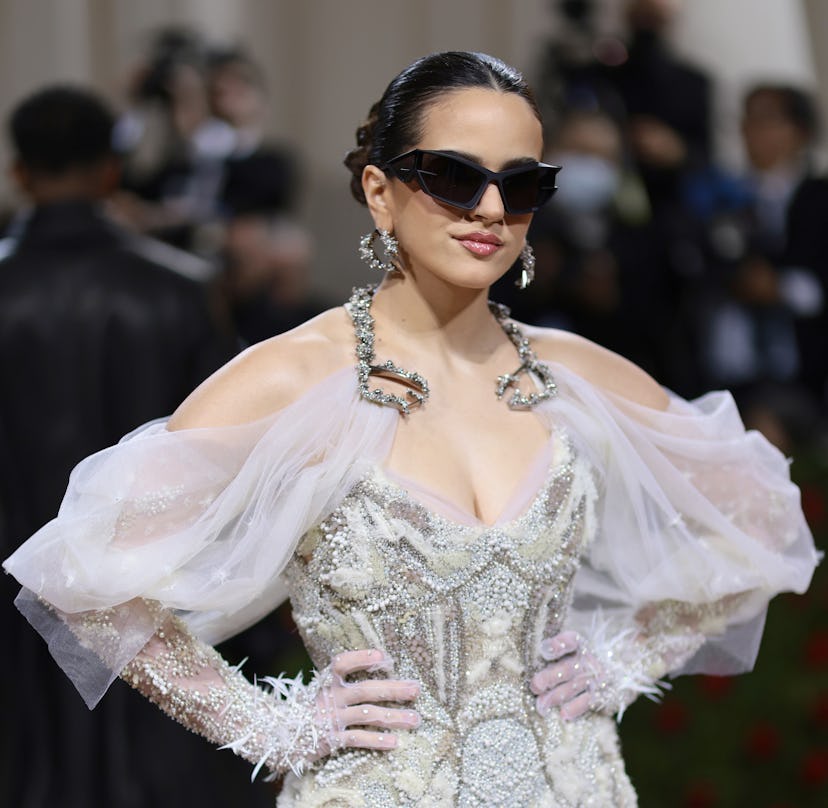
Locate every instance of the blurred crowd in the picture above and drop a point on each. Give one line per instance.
(158, 239)
(708, 277)
(154, 242)
(200, 173)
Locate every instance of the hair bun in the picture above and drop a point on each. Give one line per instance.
(360, 156)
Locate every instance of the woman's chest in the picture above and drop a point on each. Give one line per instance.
(477, 454)
(386, 547)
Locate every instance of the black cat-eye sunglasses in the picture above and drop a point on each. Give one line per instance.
(461, 183)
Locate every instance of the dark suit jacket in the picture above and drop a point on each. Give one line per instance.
(97, 336)
(807, 248)
(99, 332)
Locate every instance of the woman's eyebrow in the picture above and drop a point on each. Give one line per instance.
(511, 163)
(519, 161)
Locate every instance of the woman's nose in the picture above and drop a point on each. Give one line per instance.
(490, 207)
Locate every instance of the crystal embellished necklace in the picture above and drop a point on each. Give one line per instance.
(416, 393)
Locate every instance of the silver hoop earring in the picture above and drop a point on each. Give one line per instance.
(368, 252)
(527, 267)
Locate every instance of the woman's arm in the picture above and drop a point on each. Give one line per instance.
(697, 526)
(282, 727)
(285, 725)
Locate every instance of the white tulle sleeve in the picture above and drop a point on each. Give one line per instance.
(698, 526)
(199, 523)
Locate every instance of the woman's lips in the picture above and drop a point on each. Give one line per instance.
(480, 243)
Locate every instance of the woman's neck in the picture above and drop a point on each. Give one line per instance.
(447, 319)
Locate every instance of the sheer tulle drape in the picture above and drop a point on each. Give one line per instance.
(198, 521)
(695, 516)
(699, 524)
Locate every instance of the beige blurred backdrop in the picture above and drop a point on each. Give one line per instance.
(326, 61)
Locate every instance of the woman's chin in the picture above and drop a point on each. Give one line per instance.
(474, 274)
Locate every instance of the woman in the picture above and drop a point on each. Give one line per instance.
(485, 566)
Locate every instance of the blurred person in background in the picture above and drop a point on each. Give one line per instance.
(265, 276)
(666, 102)
(257, 172)
(100, 330)
(661, 102)
(806, 283)
(661, 106)
(174, 148)
(576, 283)
(761, 282)
(265, 249)
(600, 268)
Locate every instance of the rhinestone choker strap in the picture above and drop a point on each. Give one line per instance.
(359, 307)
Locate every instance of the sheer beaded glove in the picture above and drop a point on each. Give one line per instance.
(578, 679)
(285, 727)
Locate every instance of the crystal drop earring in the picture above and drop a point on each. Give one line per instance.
(368, 251)
(527, 267)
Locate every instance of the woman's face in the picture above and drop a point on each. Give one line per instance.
(496, 130)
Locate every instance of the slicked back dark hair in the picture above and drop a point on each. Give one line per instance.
(394, 123)
(60, 128)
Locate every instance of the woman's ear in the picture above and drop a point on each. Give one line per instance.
(377, 191)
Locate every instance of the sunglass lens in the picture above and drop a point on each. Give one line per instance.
(547, 184)
(526, 191)
(448, 179)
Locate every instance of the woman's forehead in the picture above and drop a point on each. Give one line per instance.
(484, 122)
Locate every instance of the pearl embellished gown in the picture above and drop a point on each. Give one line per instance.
(461, 608)
(659, 536)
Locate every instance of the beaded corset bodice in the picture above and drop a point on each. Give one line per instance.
(462, 609)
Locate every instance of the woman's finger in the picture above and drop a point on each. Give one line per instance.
(372, 715)
(371, 659)
(374, 690)
(364, 739)
(577, 707)
(560, 645)
(563, 693)
(555, 674)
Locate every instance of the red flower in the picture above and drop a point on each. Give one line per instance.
(701, 795)
(814, 768)
(816, 649)
(813, 505)
(715, 687)
(819, 711)
(671, 717)
(763, 741)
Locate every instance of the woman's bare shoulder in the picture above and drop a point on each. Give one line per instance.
(270, 375)
(597, 365)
